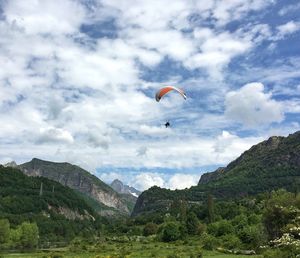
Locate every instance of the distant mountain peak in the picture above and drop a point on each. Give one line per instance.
(117, 181)
(119, 187)
(12, 164)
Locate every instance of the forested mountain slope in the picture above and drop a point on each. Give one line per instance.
(79, 179)
(58, 210)
(269, 165)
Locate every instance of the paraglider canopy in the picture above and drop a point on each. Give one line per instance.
(167, 89)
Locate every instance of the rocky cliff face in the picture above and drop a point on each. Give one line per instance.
(77, 179)
(211, 176)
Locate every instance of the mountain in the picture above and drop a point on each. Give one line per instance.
(102, 197)
(20, 194)
(119, 187)
(269, 165)
(59, 211)
(11, 164)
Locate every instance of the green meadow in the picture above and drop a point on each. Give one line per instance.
(181, 249)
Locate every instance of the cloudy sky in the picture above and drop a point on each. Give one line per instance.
(78, 79)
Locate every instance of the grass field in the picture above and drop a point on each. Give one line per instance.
(131, 250)
(209, 254)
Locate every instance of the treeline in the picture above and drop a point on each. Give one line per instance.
(24, 236)
(267, 223)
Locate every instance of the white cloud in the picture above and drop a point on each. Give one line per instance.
(169, 42)
(223, 141)
(236, 9)
(54, 135)
(144, 181)
(292, 106)
(155, 130)
(182, 181)
(45, 16)
(111, 176)
(142, 151)
(252, 107)
(90, 95)
(287, 28)
(216, 50)
(287, 9)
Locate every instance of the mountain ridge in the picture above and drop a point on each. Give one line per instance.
(78, 179)
(269, 165)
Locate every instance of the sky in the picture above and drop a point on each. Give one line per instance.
(78, 80)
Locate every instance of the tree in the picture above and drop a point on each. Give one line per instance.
(192, 224)
(210, 207)
(178, 209)
(171, 232)
(29, 235)
(4, 231)
(279, 212)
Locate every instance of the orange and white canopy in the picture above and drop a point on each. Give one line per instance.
(167, 89)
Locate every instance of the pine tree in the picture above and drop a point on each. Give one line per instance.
(210, 206)
(192, 223)
(41, 189)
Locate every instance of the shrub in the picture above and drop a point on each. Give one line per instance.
(253, 236)
(201, 228)
(231, 241)
(210, 242)
(171, 232)
(150, 229)
(220, 228)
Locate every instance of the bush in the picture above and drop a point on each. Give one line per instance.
(210, 242)
(201, 228)
(78, 245)
(253, 236)
(171, 232)
(231, 241)
(220, 228)
(150, 229)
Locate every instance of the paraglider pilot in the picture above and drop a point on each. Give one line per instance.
(167, 124)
